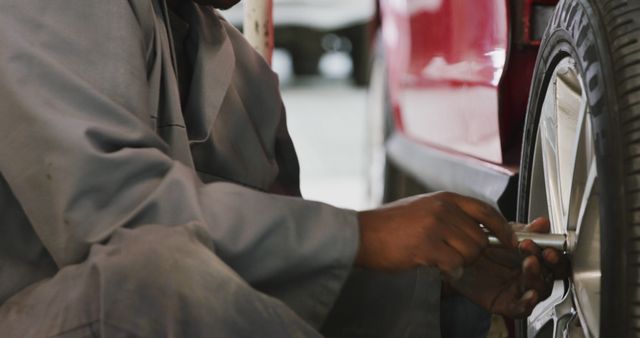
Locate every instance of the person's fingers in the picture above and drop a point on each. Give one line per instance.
(486, 215)
(449, 261)
(518, 226)
(514, 302)
(553, 260)
(532, 275)
(551, 256)
(462, 243)
(556, 262)
(528, 247)
(467, 225)
(510, 259)
(523, 306)
(531, 267)
(539, 225)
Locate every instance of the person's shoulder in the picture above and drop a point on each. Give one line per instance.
(91, 13)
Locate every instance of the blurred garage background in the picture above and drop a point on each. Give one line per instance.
(323, 59)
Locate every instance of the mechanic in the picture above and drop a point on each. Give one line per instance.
(149, 188)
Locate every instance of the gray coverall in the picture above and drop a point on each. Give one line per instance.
(128, 211)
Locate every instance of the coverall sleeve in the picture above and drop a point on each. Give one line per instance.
(79, 154)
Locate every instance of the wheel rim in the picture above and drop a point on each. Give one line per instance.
(564, 182)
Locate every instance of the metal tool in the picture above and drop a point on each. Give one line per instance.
(554, 241)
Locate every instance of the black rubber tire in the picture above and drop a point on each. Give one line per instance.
(603, 37)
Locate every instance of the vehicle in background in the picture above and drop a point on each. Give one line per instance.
(309, 28)
(455, 86)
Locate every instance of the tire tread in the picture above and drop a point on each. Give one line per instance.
(623, 36)
(603, 36)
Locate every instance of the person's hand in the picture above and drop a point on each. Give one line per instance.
(440, 230)
(511, 282)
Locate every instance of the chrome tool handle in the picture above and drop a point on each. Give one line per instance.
(554, 241)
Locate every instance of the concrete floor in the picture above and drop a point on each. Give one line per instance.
(327, 122)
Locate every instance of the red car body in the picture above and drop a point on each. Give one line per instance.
(458, 74)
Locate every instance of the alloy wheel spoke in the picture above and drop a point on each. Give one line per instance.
(586, 257)
(564, 185)
(587, 198)
(548, 144)
(564, 314)
(570, 111)
(581, 158)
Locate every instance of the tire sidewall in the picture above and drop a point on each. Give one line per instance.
(576, 31)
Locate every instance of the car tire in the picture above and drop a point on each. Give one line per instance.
(598, 41)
